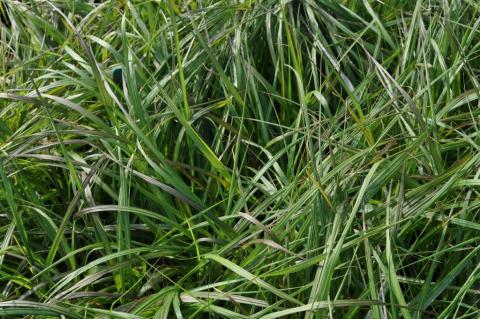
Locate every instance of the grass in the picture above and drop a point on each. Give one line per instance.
(239, 159)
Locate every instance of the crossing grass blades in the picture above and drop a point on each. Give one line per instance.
(239, 159)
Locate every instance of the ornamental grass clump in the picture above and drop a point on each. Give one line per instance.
(239, 159)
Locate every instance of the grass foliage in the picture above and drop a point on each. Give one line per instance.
(240, 159)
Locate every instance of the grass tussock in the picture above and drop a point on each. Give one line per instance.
(239, 159)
